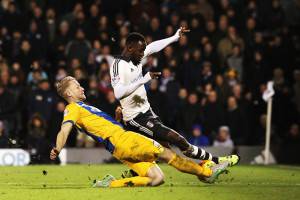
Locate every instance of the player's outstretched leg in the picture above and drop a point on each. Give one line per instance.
(193, 151)
(154, 177)
(189, 166)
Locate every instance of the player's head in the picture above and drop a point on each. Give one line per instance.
(70, 89)
(135, 47)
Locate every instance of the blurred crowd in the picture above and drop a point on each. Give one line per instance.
(212, 78)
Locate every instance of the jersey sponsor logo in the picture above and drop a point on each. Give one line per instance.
(140, 76)
(138, 100)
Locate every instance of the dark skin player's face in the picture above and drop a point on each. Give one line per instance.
(136, 51)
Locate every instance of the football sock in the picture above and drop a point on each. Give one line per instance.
(131, 182)
(188, 166)
(201, 154)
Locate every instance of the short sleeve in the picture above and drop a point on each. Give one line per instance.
(71, 114)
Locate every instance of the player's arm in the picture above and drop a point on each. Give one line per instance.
(71, 115)
(61, 139)
(158, 45)
(123, 89)
(118, 114)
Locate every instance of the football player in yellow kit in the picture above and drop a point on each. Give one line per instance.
(134, 150)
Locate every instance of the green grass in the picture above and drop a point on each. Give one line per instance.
(73, 182)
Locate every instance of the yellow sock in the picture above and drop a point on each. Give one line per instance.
(133, 181)
(188, 166)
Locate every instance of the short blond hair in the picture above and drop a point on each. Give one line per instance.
(62, 85)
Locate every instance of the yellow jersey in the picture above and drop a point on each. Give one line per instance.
(95, 123)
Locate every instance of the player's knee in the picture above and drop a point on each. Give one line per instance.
(158, 179)
(156, 175)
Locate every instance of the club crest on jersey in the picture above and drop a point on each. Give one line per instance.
(66, 112)
(156, 144)
(115, 79)
(150, 124)
(131, 69)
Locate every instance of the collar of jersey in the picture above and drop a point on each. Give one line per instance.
(127, 59)
(80, 102)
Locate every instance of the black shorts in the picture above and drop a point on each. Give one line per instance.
(149, 125)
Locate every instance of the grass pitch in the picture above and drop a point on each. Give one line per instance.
(73, 182)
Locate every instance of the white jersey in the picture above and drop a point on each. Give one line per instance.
(128, 81)
(126, 73)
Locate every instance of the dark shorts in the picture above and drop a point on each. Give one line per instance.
(149, 125)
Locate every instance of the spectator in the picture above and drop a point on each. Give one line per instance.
(25, 55)
(192, 70)
(213, 114)
(61, 73)
(209, 54)
(80, 75)
(37, 40)
(110, 104)
(157, 99)
(61, 40)
(55, 121)
(92, 21)
(275, 17)
(222, 89)
(256, 71)
(235, 62)
(93, 95)
(42, 101)
(223, 138)
(4, 142)
(51, 24)
(17, 70)
(78, 48)
(36, 75)
(226, 45)
(170, 87)
(189, 115)
(291, 144)
(104, 85)
(198, 138)
(12, 18)
(206, 74)
(182, 94)
(7, 107)
(284, 110)
(235, 119)
(231, 77)
(36, 139)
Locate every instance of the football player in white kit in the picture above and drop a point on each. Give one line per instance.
(128, 83)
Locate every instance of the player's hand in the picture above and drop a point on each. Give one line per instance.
(182, 31)
(54, 153)
(118, 113)
(155, 75)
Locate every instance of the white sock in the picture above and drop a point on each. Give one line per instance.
(195, 150)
